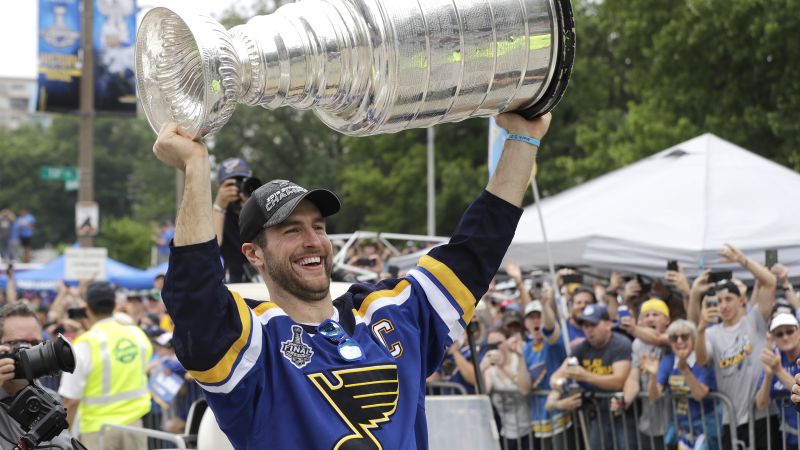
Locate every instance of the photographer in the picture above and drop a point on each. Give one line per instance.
(109, 384)
(19, 328)
(236, 183)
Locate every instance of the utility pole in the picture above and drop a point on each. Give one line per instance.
(431, 184)
(86, 140)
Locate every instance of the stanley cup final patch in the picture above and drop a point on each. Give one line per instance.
(295, 350)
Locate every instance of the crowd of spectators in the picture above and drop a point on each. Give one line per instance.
(645, 363)
(67, 313)
(655, 350)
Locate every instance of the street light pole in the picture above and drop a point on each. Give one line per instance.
(86, 139)
(431, 184)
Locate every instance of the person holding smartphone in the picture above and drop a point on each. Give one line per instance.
(508, 383)
(733, 347)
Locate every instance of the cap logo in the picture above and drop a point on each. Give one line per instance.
(230, 165)
(276, 197)
(588, 310)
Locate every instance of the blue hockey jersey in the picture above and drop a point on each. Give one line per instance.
(277, 384)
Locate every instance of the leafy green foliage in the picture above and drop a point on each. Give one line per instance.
(648, 74)
(127, 241)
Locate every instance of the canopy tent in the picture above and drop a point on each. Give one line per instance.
(47, 277)
(683, 203)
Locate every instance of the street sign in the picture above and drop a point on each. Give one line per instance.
(62, 173)
(87, 218)
(72, 185)
(85, 263)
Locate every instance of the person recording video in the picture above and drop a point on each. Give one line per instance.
(236, 183)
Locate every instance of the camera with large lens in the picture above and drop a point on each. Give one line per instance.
(246, 186)
(38, 412)
(47, 358)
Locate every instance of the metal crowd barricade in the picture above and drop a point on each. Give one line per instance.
(444, 388)
(177, 409)
(787, 431)
(572, 429)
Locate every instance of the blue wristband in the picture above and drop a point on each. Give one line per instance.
(527, 139)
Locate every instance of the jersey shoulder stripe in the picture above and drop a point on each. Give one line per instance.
(221, 371)
(378, 299)
(452, 284)
(448, 314)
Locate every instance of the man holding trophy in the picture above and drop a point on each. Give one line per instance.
(304, 370)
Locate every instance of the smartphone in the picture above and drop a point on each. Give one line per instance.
(716, 277)
(573, 278)
(771, 257)
(76, 313)
(672, 265)
(573, 389)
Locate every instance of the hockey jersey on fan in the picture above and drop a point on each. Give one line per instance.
(277, 384)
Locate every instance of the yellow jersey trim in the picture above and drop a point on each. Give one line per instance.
(224, 367)
(454, 286)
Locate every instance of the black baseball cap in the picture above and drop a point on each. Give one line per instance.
(273, 202)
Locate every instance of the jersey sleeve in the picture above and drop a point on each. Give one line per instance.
(439, 295)
(217, 337)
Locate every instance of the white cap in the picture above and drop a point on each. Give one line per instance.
(534, 306)
(164, 340)
(781, 320)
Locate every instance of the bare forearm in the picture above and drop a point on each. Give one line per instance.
(510, 180)
(650, 336)
(71, 405)
(465, 368)
(194, 223)
(613, 382)
(524, 295)
(548, 317)
(762, 395)
(653, 389)
(631, 388)
(693, 311)
(701, 353)
(523, 377)
(219, 225)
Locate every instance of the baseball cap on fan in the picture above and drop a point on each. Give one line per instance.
(233, 167)
(275, 201)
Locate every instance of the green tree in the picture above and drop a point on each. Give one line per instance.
(127, 241)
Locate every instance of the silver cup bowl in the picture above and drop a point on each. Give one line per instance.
(363, 66)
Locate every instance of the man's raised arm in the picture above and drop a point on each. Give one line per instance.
(194, 223)
(510, 180)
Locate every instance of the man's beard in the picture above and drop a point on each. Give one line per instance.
(289, 281)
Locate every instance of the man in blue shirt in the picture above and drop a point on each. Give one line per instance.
(304, 370)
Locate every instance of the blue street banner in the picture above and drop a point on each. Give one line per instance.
(113, 39)
(59, 66)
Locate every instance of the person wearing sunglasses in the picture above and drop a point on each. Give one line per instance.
(780, 367)
(352, 369)
(689, 382)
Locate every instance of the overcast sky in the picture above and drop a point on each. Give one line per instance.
(19, 22)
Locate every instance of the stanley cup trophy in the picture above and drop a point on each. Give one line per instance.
(363, 66)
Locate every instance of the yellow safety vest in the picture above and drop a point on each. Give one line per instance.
(116, 389)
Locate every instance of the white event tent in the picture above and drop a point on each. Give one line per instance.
(683, 203)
